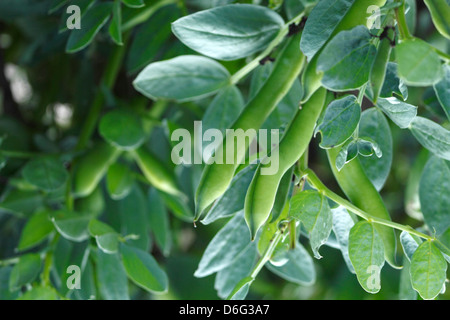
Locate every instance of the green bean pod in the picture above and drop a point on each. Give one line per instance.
(261, 194)
(155, 172)
(216, 177)
(91, 168)
(360, 191)
(378, 71)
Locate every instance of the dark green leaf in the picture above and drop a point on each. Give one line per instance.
(224, 247)
(347, 59)
(25, 271)
(366, 252)
(434, 194)
(226, 32)
(312, 209)
(123, 129)
(428, 270)
(22, 203)
(159, 221)
(115, 27)
(72, 225)
(321, 23)
(119, 180)
(106, 237)
(38, 227)
(432, 136)
(401, 113)
(47, 174)
(111, 277)
(143, 269)
(182, 78)
(92, 22)
(418, 63)
(442, 89)
(339, 122)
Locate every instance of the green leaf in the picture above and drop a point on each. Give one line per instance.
(94, 19)
(179, 206)
(322, 22)
(134, 3)
(119, 180)
(299, 268)
(133, 215)
(232, 201)
(115, 27)
(25, 271)
(418, 63)
(223, 109)
(159, 221)
(40, 293)
(123, 129)
(21, 203)
(410, 243)
(434, 197)
(374, 125)
(406, 291)
(348, 152)
(226, 32)
(227, 278)
(111, 277)
(340, 120)
(56, 5)
(5, 293)
(226, 245)
(442, 90)
(347, 59)
(342, 224)
(182, 78)
(440, 14)
(143, 269)
(37, 228)
(401, 113)
(148, 41)
(393, 84)
(72, 225)
(46, 173)
(366, 253)
(312, 209)
(428, 270)
(432, 136)
(241, 289)
(106, 237)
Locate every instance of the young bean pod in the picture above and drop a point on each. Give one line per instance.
(360, 191)
(378, 71)
(263, 188)
(91, 168)
(155, 172)
(216, 177)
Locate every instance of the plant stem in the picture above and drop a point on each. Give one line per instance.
(48, 261)
(267, 254)
(316, 183)
(235, 78)
(401, 21)
(145, 14)
(108, 80)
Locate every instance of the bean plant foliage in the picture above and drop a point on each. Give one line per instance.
(94, 204)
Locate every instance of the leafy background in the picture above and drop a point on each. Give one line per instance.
(46, 94)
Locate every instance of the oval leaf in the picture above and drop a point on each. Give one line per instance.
(143, 269)
(428, 270)
(47, 174)
(434, 197)
(226, 32)
(418, 63)
(339, 122)
(432, 136)
(366, 253)
(401, 113)
(182, 78)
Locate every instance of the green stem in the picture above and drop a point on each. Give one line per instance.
(108, 80)
(318, 184)
(401, 21)
(235, 78)
(48, 261)
(267, 254)
(145, 14)
(444, 56)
